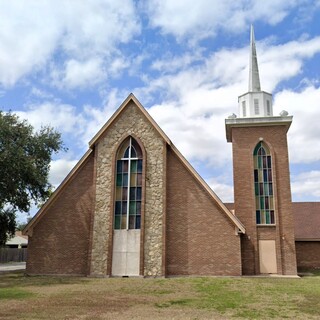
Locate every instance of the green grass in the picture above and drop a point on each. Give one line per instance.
(252, 298)
(14, 293)
(184, 298)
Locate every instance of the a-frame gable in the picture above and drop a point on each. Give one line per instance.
(120, 110)
(96, 138)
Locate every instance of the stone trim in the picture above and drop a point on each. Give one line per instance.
(131, 97)
(132, 122)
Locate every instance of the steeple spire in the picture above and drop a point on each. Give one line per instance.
(254, 80)
(254, 103)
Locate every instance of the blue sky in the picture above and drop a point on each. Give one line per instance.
(70, 64)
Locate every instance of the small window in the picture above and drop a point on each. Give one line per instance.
(256, 106)
(268, 108)
(244, 110)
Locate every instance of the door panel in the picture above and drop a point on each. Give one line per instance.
(126, 252)
(267, 256)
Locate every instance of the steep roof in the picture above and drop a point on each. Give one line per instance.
(306, 220)
(94, 141)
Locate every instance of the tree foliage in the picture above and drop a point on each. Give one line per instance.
(25, 157)
(7, 224)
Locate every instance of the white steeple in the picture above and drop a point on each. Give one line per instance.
(254, 103)
(254, 80)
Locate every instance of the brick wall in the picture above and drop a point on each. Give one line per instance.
(200, 239)
(308, 254)
(60, 240)
(244, 140)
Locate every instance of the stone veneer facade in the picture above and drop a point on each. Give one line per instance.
(131, 122)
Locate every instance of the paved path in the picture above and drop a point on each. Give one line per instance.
(12, 266)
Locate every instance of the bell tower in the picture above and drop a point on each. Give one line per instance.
(262, 193)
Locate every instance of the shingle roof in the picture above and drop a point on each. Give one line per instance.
(306, 220)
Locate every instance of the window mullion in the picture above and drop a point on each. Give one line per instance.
(128, 191)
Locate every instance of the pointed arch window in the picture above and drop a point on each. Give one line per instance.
(263, 185)
(128, 193)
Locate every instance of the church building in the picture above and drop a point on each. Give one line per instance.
(134, 206)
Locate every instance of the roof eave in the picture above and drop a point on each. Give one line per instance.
(307, 239)
(256, 122)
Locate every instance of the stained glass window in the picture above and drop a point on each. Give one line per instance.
(263, 185)
(127, 209)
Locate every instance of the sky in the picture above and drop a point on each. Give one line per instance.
(70, 64)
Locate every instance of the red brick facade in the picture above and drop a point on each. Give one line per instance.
(196, 234)
(200, 239)
(307, 233)
(244, 140)
(308, 254)
(60, 239)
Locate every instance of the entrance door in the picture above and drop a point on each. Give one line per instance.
(126, 252)
(267, 256)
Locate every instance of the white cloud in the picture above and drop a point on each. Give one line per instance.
(306, 185)
(171, 63)
(118, 65)
(198, 98)
(63, 117)
(223, 190)
(31, 32)
(205, 18)
(59, 170)
(284, 61)
(41, 94)
(198, 137)
(226, 70)
(78, 124)
(24, 43)
(80, 73)
(96, 117)
(305, 131)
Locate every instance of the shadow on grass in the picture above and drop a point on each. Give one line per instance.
(304, 272)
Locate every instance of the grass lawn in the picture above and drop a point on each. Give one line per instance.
(173, 298)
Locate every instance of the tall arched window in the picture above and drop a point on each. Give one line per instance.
(263, 185)
(127, 212)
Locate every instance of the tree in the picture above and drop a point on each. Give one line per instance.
(21, 225)
(25, 157)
